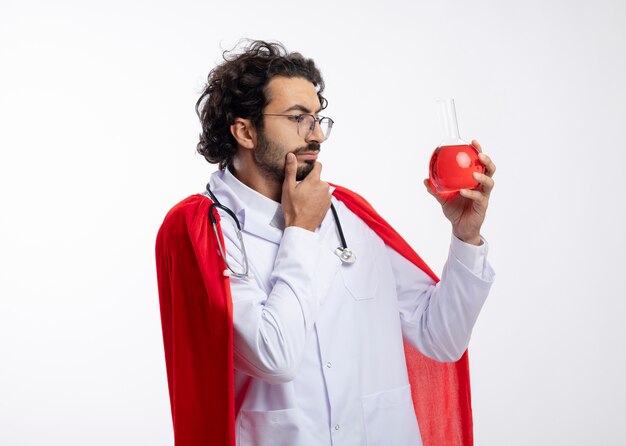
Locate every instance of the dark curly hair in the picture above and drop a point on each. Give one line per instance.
(237, 88)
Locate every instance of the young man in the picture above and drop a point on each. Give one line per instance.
(294, 334)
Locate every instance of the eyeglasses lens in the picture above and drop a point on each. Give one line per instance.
(307, 125)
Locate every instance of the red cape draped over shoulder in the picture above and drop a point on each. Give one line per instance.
(197, 322)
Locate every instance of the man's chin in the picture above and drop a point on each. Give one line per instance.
(303, 171)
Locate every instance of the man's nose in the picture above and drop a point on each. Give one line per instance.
(316, 134)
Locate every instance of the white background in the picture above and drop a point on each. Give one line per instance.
(97, 139)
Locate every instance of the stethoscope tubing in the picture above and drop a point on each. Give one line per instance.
(342, 252)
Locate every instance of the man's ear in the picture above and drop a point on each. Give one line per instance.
(244, 133)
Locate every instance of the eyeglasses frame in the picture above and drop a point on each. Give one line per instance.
(298, 119)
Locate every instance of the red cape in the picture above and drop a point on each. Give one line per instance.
(197, 321)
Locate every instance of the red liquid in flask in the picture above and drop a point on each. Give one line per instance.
(451, 168)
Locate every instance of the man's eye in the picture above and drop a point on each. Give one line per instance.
(297, 118)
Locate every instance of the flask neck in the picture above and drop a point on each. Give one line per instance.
(449, 125)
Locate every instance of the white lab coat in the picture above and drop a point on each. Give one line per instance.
(318, 344)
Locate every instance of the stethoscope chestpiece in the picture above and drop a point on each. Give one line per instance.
(345, 255)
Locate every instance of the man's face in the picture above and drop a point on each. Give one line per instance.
(289, 96)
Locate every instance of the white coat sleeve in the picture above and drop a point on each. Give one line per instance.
(438, 319)
(271, 329)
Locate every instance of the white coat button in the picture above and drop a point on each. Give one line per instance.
(329, 365)
(337, 427)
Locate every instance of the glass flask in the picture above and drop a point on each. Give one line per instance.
(454, 161)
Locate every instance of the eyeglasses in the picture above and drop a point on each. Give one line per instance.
(306, 123)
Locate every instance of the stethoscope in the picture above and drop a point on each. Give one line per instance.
(343, 252)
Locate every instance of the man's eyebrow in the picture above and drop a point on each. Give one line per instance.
(301, 108)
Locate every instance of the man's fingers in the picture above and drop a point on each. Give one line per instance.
(431, 191)
(429, 187)
(291, 167)
(485, 181)
(474, 195)
(490, 167)
(476, 144)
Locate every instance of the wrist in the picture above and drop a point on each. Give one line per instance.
(297, 224)
(473, 239)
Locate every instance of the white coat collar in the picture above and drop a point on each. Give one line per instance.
(257, 214)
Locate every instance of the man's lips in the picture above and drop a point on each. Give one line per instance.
(309, 155)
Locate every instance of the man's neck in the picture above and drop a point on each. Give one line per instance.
(257, 181)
